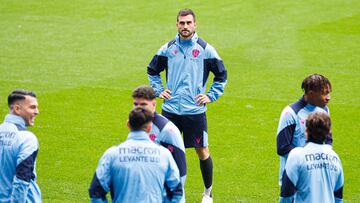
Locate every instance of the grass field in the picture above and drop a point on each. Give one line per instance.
(83, 59)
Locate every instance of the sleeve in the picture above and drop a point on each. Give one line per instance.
(217, 67)
(100, 185)
(174, 143)
(173, 186)
(290, 178)
(158, 64)
(25, 168)
(285, 132)
(329, 139)
(339, 185)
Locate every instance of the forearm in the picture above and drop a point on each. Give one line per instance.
(216, 90)
(96, 191)
(20, 190)
(156, 84)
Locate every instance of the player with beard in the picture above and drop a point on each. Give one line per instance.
(188, 60)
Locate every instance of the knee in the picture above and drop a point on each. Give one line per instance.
(203, 153)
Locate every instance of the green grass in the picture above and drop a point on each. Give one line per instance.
(83, 59)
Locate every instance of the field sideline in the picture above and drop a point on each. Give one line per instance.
(84, 58)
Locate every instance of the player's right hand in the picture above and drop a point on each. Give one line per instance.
(166, 94)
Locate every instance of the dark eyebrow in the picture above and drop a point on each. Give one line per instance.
(187, 22)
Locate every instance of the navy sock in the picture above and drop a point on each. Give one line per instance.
(206, 167)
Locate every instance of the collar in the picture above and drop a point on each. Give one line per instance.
(17, 120)
(316, 141)
(310, 106)
(138, 135)
(187, 42)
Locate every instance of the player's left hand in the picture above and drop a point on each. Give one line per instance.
(202, 99)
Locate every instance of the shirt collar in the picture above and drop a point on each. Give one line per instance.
(308, 105)
(17, 120)
(187, 42)
(138, 135)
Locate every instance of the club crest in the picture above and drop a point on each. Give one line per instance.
(195, 53)
(198, 140)
(152, 137)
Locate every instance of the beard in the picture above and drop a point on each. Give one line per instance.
(186, 33)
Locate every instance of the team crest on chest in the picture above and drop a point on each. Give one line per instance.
(175, 51)
(195, 52)
(302, 121)
(152, 137)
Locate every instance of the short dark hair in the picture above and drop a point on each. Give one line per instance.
(185, 12)
(17, 95)
(139, 117)
(315, 82)
(318, 126)
(145, 92)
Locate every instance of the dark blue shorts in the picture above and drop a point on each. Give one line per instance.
(193, 128)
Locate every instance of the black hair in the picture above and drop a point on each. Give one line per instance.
(139, 117)
(315, 82)
(17, 95)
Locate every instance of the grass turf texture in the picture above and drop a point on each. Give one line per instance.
(84, 58)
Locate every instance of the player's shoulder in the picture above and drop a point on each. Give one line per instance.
(165, 125)
(168, 44)
(288, 113)
(160, 121)
(329, 149)
(296, 152)
(298, 105)
(28, 136)
(165, 47)
(112, 151)
(202, 43)
(208, 48)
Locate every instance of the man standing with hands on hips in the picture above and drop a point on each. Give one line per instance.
(188, 60)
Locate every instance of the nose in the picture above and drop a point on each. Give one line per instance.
(328, 97)
(37, 111)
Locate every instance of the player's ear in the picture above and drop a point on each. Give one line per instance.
(306, 134)
(153, 103)
(148, 127)
(311, 96)
(128, 124)
(16, 108)
(310, 93)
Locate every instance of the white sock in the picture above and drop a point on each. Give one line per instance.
(208, 191)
